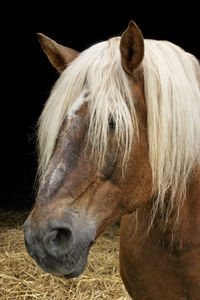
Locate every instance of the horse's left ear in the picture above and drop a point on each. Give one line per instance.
(131, 48)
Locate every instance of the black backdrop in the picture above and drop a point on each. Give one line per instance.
(27, 76)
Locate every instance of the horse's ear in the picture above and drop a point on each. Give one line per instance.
(131, 48)
(59, 56)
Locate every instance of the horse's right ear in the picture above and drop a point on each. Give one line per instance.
(59, 56)
(131, 48)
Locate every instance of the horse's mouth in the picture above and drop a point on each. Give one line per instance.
(80, 265)
(78, 270)
(69, 267)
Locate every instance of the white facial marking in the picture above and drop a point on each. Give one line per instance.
(84, 97)
(56, 176)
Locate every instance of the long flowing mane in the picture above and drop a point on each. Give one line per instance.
(172, 93)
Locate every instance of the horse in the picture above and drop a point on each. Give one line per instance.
(119, 139)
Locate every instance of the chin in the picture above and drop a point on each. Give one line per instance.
(78, 270)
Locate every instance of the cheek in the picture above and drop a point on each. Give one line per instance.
(110, 162)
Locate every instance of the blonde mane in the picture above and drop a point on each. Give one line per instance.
(172, 94)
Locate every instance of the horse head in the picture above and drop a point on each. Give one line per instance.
(87, 183)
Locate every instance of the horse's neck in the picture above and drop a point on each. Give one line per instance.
(189, 228)
(173, 261)
(186, 236)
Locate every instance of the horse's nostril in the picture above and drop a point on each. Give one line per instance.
(57, 241)
(61, 237)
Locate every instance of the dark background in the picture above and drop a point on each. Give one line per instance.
(27, 76)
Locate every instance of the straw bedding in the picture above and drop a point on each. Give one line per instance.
(21, 278)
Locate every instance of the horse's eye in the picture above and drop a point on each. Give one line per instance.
(111, 124)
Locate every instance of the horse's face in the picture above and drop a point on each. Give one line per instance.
(76, 200)
(74, 203)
